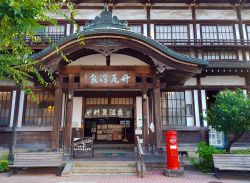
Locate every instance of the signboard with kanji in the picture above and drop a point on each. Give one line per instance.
(108, 111)
(108, 79)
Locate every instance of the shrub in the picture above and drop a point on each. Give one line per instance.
(205, 162)
(4, 166)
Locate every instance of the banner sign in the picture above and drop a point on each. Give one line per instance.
(108, 79)
(108, 111)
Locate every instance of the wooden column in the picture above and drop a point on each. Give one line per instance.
(57, 114)
(144, 112)
(68, 122)
(157, 113)
(150, 111)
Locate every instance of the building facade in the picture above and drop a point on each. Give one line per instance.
(157, 72)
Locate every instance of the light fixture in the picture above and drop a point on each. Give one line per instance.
(69, 96)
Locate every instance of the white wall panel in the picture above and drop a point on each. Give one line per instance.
(13, 102)
(180, 14)
(202, 14)
(204, 106)
(87, 14)
(129, 14)
(223, 80)
(196, 108)
(77, 112)
(21, 106)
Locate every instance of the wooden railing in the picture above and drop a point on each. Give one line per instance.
(204, 42)
(140, 156)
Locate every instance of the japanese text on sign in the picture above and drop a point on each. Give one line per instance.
(109, 78)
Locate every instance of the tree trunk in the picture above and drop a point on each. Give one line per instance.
(233, 140)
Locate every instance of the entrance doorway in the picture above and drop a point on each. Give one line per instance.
(109, 120)
(110, 130)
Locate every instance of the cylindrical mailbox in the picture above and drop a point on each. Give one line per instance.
(172, 150)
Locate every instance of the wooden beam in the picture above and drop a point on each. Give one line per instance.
(57, 114)
(68, 123)
(144, 112)
(157, 113)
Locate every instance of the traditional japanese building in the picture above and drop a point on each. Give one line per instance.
(145, 67)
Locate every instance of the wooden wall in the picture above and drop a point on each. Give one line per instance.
(34, 140)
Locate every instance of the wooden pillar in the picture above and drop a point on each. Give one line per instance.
(150, 111)
(157, 113)
(57, 115)
(68, 122)
(144, 112)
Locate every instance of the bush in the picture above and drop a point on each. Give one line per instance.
(4, 166)
(205, 162)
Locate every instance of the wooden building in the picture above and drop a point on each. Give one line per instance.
(145, 67)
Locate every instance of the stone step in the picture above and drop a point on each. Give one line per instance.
(113, 174)
(104, 170)
(104, 164)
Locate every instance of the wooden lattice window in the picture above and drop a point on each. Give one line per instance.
(220, 55)
(218, 34)
(5, 108)
(39, 111)
(136, 28)
(174, 33)
(173, 109)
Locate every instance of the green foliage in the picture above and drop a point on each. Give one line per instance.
(20, 19)
(5, 156)
(230, 114)
(205, 163)
(4, 166)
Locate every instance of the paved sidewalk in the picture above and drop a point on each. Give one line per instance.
(153, 177)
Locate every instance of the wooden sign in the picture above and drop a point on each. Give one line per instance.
(107, 79)
(108, 111)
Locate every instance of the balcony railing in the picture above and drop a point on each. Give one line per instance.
(204, 42)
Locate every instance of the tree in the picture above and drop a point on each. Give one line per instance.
(230, 114)
(20, 19)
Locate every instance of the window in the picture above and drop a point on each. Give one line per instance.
(5, 108)
(39, 112)
(82, 27)
(248, 31)
(217, 34)
(220, 55)
(136, 28)
(172, 33)
(173, 108)
(54, 33)
(215, 137)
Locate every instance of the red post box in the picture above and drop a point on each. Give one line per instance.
(172, 150)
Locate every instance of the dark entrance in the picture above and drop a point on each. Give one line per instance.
(110, 130)
(109, 120)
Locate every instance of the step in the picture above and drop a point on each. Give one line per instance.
(113, 174)
(104, 170)
(104, 164)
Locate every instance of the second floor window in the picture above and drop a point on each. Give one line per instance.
(55, 33)
(172, 33)
(217, 34)
(248, 31)
(136, 28)
(39, 112)
(220, 55)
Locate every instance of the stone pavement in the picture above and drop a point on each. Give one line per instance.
(40, 176)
